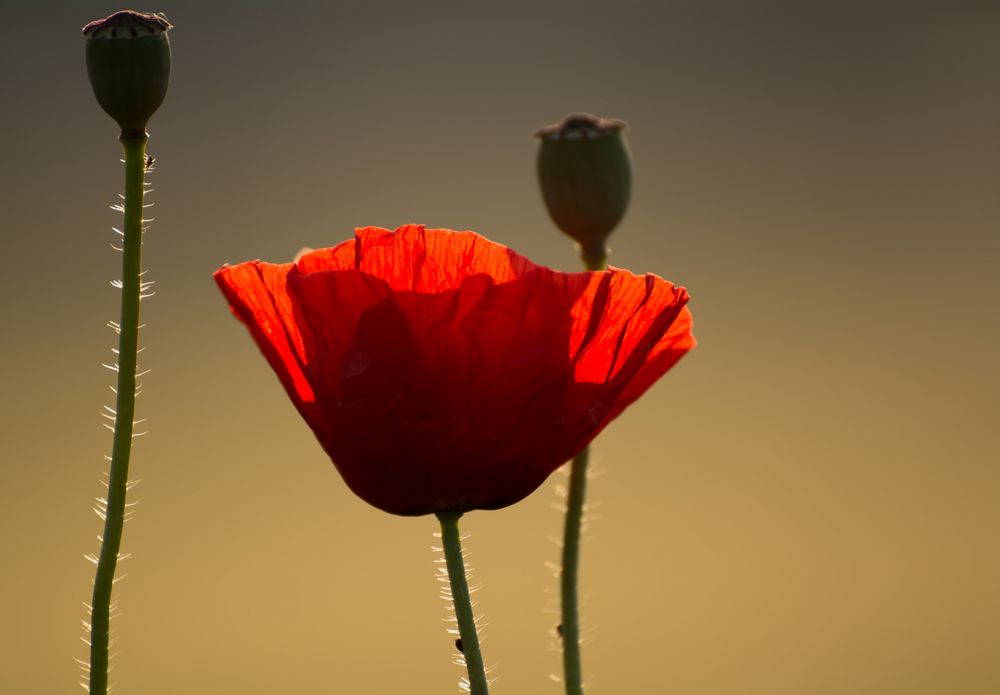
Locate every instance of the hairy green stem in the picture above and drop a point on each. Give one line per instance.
(134, 146)
(569, 579)
(452, 542)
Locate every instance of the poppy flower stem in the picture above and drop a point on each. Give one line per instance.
(452, 542)
(594, 257)
(569, 628)
(569, 579)
(134, 146)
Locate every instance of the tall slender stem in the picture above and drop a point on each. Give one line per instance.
(569, 629)
(134, 146)
(569, 579)
(452, 542)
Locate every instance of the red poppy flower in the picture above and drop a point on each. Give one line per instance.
(444, 372)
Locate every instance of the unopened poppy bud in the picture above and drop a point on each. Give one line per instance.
(128, 61)
(586, 179)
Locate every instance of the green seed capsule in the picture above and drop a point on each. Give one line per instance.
(586, 179)
(128, 61)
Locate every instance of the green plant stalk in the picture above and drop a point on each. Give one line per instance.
(134, 146)
(569, 578)
(452, 542)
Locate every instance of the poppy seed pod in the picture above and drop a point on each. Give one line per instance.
(586, 179)
(128, 62)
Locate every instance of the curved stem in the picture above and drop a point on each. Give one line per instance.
(452, 542)
(569, 579)
(135, 154)
(569, 628)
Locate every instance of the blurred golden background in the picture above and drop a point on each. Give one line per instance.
(806, 504)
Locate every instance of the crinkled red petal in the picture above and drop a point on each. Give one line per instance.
(442, 371)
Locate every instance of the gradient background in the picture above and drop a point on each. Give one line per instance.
(807, 504)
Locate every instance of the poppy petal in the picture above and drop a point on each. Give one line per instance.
(444, 372)
(257, 296)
